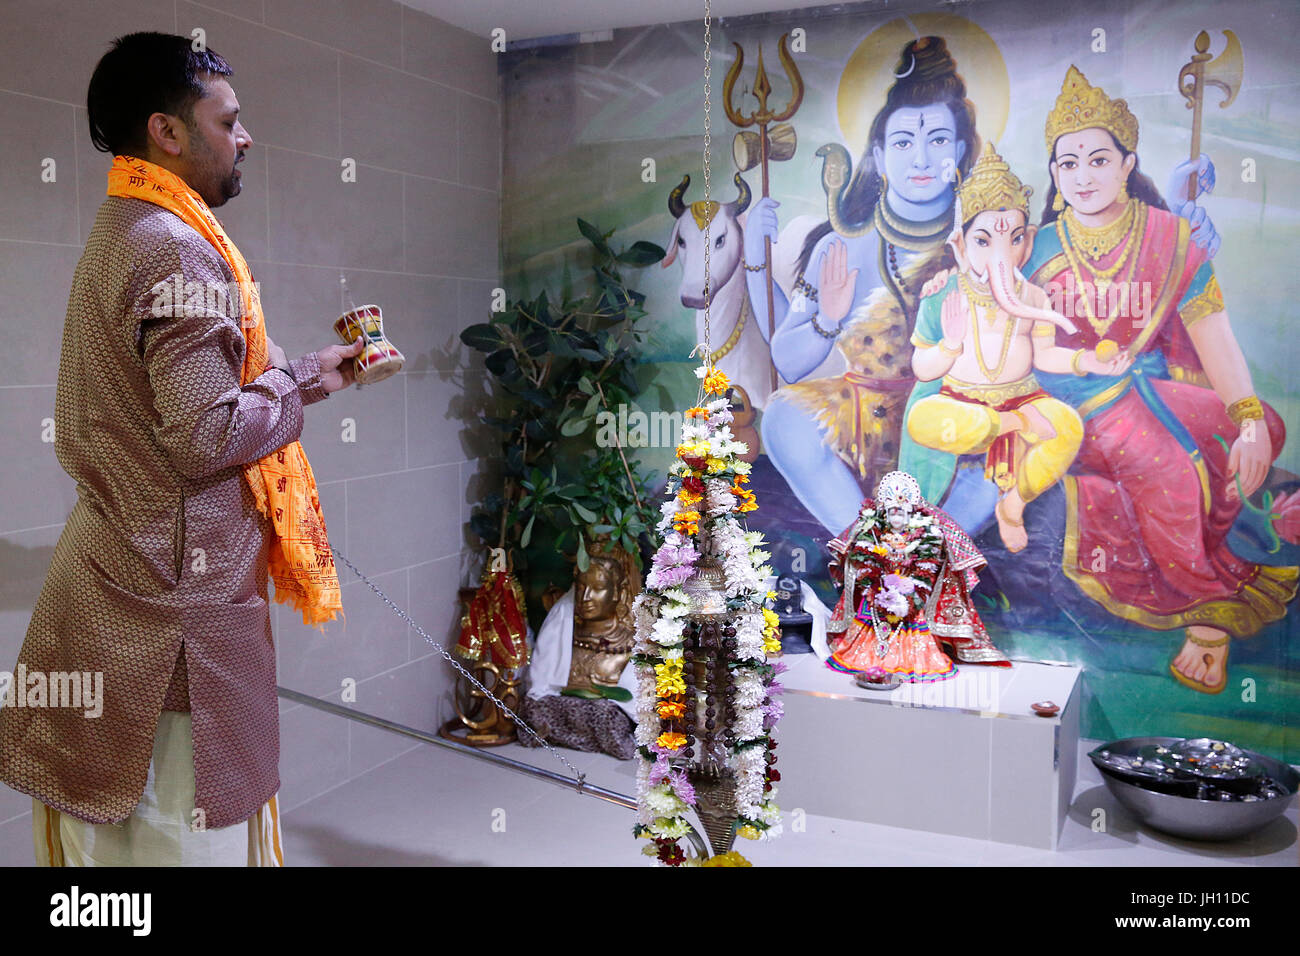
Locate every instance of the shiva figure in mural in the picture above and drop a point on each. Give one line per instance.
(906, 570)
(1173, 446)
(858, 284)
(977, 343)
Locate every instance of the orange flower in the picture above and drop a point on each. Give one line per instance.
(697, 412)
(687, 522)
(671, 740)
(672, 709)
(747, 500)
(716, 382)
(688, 497)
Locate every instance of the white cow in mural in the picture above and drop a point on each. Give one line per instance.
(734, 330)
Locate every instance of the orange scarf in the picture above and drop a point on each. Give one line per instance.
(300, 559)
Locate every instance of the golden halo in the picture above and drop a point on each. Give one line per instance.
(870, 72)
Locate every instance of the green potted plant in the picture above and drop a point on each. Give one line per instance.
(553, 369)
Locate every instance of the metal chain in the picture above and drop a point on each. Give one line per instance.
(708, 142)
(578, 775)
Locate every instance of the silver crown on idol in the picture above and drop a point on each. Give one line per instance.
(898, 488)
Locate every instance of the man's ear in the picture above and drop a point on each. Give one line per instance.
(167, 133)
(878, 156)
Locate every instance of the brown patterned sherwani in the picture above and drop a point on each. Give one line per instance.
(159, 580)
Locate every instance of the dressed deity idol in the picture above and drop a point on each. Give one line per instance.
(907, 570)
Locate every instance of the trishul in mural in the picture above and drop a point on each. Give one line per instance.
(1224, 72)
(779, 144)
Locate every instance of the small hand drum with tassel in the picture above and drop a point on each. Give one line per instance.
(380, 358)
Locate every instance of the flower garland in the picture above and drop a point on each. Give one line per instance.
(702, 517)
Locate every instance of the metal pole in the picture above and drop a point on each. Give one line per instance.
(609, 796)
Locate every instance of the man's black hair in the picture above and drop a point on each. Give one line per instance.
(143, 74)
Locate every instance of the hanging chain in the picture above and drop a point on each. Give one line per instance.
(581, 777)
(708, 143)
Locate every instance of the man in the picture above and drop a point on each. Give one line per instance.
(178, 418)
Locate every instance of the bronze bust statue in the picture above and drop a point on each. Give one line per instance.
(603, 630)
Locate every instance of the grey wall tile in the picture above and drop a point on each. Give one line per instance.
(398, 520)
(317, 219)
(25, 558)
(92, 175)
(313, 754)
(248, 9)
(371, 640)
(440, 409)
(287, 87)
(448, 54)
(399, 121)
(50, 49)
(30, 208)
(358, 432)
(451, 230)
(480, 142)
(36, 279)
(368, 28)
(435, 606)
(35, 490)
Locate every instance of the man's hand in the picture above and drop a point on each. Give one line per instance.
(275, 355)
(336, 371)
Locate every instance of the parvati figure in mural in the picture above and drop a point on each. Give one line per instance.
(1172, 445)
(858, 287)
(906, 570)
(978, 341)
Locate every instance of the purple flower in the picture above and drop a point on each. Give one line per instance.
(779, 668)
(773, 711)
(682, 786)
(892, 602)
(775, 688)
(661, 767)
(899, 583)
(662, 579)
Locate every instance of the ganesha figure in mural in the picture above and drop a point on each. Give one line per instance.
(906, 570)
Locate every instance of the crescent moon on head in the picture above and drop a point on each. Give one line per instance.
(908, 72)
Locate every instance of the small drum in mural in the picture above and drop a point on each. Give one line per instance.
(380, 358)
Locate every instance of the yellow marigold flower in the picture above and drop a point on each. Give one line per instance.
(746, 499)
(748, 832)
(715, 465)
(771, 645)
(688, 497)
(697, 412)
(730, 858)
(879, 549)
(771, 620)
(716, 382)
(771, 595)
(671, 740)
(740, 480)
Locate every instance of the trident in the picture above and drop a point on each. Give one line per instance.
(1223, 72)
(783, 149)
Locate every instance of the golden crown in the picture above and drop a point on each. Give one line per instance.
(991, 185)
(1083, 106)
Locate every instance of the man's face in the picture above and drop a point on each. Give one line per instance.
(216, 142)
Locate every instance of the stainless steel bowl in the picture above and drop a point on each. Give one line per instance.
(1187, 816)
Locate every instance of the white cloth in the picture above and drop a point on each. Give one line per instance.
(553, 656)
(159, 832)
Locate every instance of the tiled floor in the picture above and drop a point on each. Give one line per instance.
(430, 807)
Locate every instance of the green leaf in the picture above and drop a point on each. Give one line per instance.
(592, 404)
(583, 560)
(584, 693)
(585, 386)
(482, 336)
(641, 253)
(629, 544)
(615, 693)
(602, 528)
(574, 426)
(586, 514)
(594, 237)
(528, 533)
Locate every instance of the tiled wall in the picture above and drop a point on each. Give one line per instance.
(415, 103)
